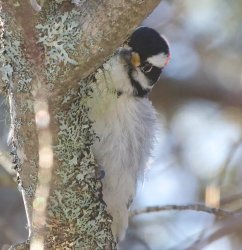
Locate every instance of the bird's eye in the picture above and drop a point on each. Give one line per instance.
(146, 68)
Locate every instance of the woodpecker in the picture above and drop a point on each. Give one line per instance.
(124, 119)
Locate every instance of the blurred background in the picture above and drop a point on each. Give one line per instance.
(198, 154)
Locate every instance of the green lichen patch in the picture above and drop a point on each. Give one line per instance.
(15, 75)
(59, 34)
(12, 60)
(1, 52)
(75, 204)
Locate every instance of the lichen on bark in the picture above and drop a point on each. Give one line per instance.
(76, 201)
(44, 55)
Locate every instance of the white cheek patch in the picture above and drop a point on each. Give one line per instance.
(141, 79)
(159, 60)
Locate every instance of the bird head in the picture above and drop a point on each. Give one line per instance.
(147, 54)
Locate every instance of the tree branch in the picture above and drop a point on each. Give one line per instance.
(169, 93)
(45, 56)
(218, 212)
(230, 199)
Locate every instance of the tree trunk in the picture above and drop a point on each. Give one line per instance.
(48, 50)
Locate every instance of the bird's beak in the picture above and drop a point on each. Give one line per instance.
(135, 59)
(131, 58)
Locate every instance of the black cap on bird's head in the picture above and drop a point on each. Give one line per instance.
(147, 43)
(150, 52)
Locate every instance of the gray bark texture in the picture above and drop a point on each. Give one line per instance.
(48, 51)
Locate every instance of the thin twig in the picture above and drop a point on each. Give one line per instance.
(228, 227)
(218, 212)
(230, 199)
(230, 156)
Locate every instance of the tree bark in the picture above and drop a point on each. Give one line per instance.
(48, 50)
